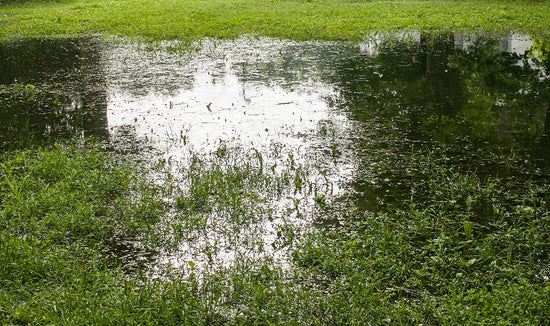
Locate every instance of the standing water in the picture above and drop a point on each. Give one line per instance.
(355, 113)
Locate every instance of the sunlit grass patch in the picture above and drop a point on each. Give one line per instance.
(340, 20)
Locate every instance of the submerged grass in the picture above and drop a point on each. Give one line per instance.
(301, 20)
(475, 254)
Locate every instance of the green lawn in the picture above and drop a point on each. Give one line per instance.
(316, 19)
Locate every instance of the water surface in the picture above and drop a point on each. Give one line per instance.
(354, 112)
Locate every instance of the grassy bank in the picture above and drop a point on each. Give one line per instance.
(317, 19)
(78, 236)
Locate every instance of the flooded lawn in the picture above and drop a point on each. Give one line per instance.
(404, 179)
(351, 117)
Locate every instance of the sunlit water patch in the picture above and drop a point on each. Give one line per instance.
(249, 92)
(260, 97)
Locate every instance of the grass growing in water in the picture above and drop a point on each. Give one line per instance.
(476, 253)
(302, 20)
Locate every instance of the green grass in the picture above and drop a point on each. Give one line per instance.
(476, 253)
(80, 228)
(315, 19)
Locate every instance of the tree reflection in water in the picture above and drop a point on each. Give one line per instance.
(51, 90)
(488, 108)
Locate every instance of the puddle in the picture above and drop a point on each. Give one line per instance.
(353, 112)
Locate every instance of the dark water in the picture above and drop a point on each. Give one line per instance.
(363, 109)
(483, 103)
(51, 90)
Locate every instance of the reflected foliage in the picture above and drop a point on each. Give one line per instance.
(487, 106)
(450, 93)
(51, 90)
(506, 97)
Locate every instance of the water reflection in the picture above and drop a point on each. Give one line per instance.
(51, 90)
(420, 88)
(481, 103)
(479, 94)
(248, 92)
